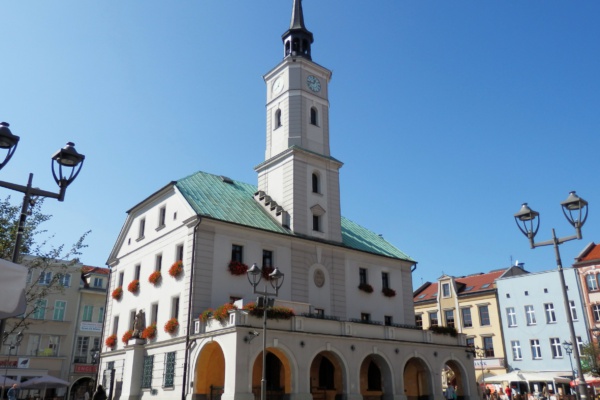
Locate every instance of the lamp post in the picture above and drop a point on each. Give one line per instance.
(478, 352)
(575, 210)
(12, 345)
(66, 165)
(569, 350)
(95, 353)
(276, 279)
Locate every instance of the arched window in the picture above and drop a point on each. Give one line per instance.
(313, 116)
(373, 377)
(277, 121)
(315, 183)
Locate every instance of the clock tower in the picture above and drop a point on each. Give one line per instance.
(299, 180)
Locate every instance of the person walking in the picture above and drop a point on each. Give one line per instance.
(100, 394)
(12, 392)
(508, 392)
(450, 393)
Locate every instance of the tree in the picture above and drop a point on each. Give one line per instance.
(590, 358)
(40, 257)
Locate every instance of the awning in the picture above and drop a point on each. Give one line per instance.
(525, 376)
(590, 380)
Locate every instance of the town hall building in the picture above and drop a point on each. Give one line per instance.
(182, 319)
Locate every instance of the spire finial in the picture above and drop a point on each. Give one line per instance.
(297, 40)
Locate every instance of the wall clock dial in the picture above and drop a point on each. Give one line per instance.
(278, 85)
(313, 83)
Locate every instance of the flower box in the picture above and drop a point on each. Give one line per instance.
(365, 287)
(277, 312)
(266, 271)
(387, 292)
(237, 268)
(111, 341)
(155, 278)
(171, 326)
(117, 293)
(149, 333)
(176, 269)
(221, 314)
(134, 286)
(126, 336)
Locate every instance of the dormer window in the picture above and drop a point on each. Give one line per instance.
(314, 116)
(446, 290)
(277, 121)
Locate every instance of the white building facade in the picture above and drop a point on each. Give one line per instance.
(184, 251)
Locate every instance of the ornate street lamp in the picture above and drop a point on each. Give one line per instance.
(12, 345)
(575, 210)
(479, 352)
(569, 350)
(276, 279)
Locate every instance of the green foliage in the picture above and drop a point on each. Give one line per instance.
(40, 256)
(590, 359)
(444, 330)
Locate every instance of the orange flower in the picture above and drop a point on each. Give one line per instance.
(134, 286)
(155, 277)
(126, 336)
(172, 325)
(176, 269)
(117, 293)
(111, 341)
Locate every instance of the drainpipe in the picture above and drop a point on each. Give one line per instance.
(99, 360)
(189, 317)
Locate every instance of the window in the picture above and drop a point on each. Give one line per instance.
(142, 228)
(362, 276)
(169, 378)
(446, 290)
(87, 313)
(449, 317)
(179, 252)
(162, 214)
(154, 314)
(59, 310)
(65, 280)
(592, 284)
(33, 345)
(237, 253)
(132, 315)
(484, 316)
(511, 316)
(138, 269)
(536, 350)
(147, 372)
(387, 320)
(488, 346)
(45, 278)
(115, 327)
(277, 123)
(175, 307)
(433, 319)
(530, 314)
(98, 283)
(29, 276)
(267, 259)
(556, 348)
(158, 262)
(466, 317)
(596, 312)
(40, 309)
(121, 277)
(319, 312)
(54, 344)
(315, 183)
(550, 316)
(385, 280)
(470, 342)
(365, 317)
(419, 320)
(316, 223)
(82, 348)
(516, 350)
(313, 116)
(573, 309)
(101, 314)
(579, 344)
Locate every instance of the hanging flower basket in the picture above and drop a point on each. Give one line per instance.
(117, 293)
(155, 278)
(134, 286)
(149, 333)
(126, 336)
(237, 268)
(387, 292)
(176, 269)
(266, 271)
(172, 325)
(365, 287)
(111, 341)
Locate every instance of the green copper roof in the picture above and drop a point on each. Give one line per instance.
(227, 200)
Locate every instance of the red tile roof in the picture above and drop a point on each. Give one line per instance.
(465, 285)
(594, 254)
(96, 270)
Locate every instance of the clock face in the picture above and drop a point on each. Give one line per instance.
(313, 83)
(278, 85)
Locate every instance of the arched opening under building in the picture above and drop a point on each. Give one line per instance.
(80, 386)
(278, 375)
(376, 381)
(209, 376)
(326, 377)
(417, 380)
(453, 374)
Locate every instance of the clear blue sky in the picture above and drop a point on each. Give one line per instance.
(447, 114)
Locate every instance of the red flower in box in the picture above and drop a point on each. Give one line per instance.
(117, 293)
(111, 341)
(126, 336)
(134, 286)
(387, 292)
(266, 271)
(149, 332)
(176, 269)
(172, 325)
(237, 268)
(365, 287)
(155, 277)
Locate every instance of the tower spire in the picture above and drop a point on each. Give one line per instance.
(297, 39)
